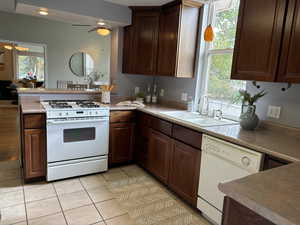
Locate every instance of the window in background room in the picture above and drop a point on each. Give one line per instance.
(30, 62)
(222, 92)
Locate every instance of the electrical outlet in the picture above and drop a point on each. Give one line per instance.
(274, 112)
(184, 96)
(136, 90)
(162, 93)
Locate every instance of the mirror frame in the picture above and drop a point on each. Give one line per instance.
(70, 65)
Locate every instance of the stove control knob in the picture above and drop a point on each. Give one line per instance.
(246, 161)
(67, 114)
(60, 114)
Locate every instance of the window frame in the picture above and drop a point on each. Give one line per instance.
(20, 53)
(15, 58)
(207, 52)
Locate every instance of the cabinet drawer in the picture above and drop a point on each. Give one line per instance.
(122, 116)
(34, 121)
(161, 125)
(187, 136)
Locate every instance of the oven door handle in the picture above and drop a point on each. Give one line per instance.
(76, 121)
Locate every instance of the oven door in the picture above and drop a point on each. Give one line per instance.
(67, 140)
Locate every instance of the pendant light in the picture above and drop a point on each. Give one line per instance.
(209, 31)
(209, 34)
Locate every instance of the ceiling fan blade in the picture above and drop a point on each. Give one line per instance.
(94, 29)
(81, 25)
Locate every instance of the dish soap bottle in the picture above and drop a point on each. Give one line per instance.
(148, 95)
(190, 104)
(154, 94)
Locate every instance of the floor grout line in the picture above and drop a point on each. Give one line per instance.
(62, 211)
(25, 206)
(94, 204)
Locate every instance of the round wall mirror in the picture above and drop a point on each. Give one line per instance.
(81, 64)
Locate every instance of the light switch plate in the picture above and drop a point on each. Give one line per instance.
(274, 112)
(184, 96)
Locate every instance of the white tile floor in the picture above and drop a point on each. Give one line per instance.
(122, 196)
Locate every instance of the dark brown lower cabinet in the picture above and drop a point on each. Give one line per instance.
(184, 171)
(159, 155)
(236, 214)
(34, 153)
(121, 142)
(271, 162)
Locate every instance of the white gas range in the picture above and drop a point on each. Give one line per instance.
(77, 138)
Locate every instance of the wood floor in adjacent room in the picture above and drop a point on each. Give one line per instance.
(9, 133)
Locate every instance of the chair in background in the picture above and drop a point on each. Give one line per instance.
(77, 86)
(63, 84)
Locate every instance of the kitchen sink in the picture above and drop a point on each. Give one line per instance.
(184, 115)
(197, 119)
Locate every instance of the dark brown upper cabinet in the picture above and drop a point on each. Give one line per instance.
(145, 39)
(266, 44)
(162, 40)
(178, 40)
(289, 69)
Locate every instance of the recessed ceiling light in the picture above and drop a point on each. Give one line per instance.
(101, 23)
(43, 12)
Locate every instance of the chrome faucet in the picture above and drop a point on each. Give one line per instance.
(218, 114)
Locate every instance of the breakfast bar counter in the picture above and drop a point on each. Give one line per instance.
(273, 194)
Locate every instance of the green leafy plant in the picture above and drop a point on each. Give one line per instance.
(140, 95)
(247, 98)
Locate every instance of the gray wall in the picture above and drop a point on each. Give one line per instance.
(288, 100)
(62, 41)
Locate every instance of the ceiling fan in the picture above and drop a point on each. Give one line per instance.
(101, 29)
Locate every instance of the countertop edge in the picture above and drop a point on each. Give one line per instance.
(192, 127)
(261, 210)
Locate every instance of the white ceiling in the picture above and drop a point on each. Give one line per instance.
(62, 16)
(139, 2)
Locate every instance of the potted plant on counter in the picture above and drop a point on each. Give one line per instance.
(249, 119)
(140, 97)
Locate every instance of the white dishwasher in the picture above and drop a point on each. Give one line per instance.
(222, 162)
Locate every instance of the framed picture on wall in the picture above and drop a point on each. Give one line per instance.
(1, 60)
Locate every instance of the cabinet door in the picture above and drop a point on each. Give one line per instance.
(34, 153)
(258, 40)
(272, 162)
(121, 142)
(184, 171)
(289, 69)
(159, 155)
(145, 41)
(168, 40)
(142, 140)
(128, 56)
(237, 214)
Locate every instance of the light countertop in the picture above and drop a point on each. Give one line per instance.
(273, 194)
(279, 143)
(53, 91)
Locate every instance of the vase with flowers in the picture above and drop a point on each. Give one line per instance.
(249, 119)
